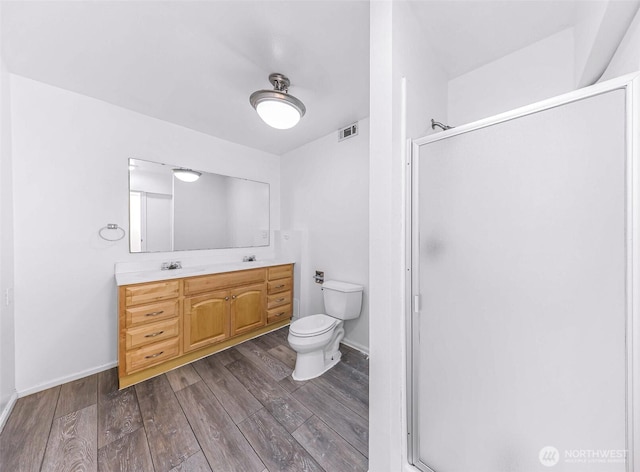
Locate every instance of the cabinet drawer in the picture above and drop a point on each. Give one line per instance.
(280, 272)
(152, 354)
(148, 293)
(214, 282)
(278, 299)
(143, 314)
(281, 285)
(278, 314)
(151, 333)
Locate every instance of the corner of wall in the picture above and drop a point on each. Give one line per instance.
(7, 409)
(7, 316)
(627, 57)
(605, 39)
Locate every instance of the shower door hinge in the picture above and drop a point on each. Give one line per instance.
(416, 303)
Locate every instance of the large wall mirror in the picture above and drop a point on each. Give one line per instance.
(214, 211)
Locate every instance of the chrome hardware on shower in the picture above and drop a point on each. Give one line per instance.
(319, 277)
(435, 123)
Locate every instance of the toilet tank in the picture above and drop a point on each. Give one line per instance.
(342, 300)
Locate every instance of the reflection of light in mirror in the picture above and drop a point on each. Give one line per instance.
(186, 175)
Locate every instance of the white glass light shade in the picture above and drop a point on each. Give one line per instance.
(276, 107)
(186, 175)
(278, 114)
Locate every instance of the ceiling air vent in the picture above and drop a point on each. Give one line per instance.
(348, 132)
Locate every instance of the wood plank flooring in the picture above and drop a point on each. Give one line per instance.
(238, 411)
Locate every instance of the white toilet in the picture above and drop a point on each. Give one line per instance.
(316, 338)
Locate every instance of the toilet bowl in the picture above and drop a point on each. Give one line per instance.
(316, 338)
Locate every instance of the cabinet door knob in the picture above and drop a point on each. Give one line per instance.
(234, 297)
(226, 299)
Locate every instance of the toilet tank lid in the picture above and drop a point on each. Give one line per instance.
(342, 286)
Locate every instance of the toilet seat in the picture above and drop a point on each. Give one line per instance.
(313, 325)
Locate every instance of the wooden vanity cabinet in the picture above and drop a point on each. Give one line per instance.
(151, 292)
(206, 320)
(163, 325)
(149, 322)
(248, 308)
(279, 293)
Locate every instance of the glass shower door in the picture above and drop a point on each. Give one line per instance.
(520, 260)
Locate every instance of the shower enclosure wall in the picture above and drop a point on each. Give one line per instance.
(525, 289)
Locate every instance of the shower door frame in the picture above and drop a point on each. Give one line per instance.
(631, 85)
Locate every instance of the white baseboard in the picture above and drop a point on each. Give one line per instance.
(7, 410)
(356, 346)
(62, 380)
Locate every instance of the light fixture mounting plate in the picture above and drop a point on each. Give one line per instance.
(279, 81)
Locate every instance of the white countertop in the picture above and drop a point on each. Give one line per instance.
(128, 278)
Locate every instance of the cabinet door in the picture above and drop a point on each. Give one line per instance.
(206, 320)
(247, 308)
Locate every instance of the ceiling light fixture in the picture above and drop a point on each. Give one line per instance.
(186, 175)
(276, 107)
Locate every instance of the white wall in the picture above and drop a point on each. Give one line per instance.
(7, 340)
(402, 65)
(385, 312)
(70, 179)
(542, 70)
(325, 194)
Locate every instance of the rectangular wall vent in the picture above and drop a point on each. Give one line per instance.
(348, 132)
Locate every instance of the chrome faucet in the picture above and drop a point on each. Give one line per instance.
(171, 265)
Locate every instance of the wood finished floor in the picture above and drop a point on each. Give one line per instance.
(237, 411)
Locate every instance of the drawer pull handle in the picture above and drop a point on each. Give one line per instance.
(280, 286)
(155, 313)
(154, 355)
(280, 314)
(153, 335)
(280, 300)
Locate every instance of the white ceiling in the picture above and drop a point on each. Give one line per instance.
(196, 63)
(468, 34)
